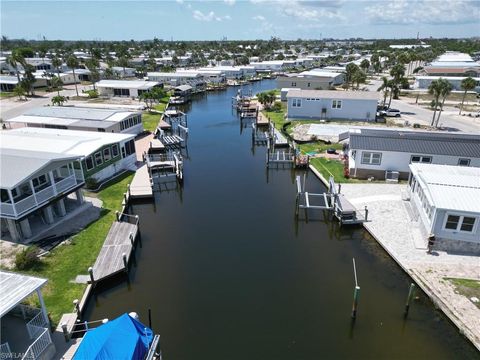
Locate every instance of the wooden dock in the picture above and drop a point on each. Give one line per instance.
(262, 120)
(116, 250)
(141, 186)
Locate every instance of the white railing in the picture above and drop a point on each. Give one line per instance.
(78, 174)
(7, 209)
(45, 194)
(5, 352)
(36, 325)
(38, 346)
(66, 183)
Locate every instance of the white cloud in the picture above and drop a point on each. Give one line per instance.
(424, 12)
(259, 18)
(179, 1)
(230, 2)
(306, 10)
(200, 16)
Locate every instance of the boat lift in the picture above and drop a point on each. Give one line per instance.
(165, 166)
(332, 201)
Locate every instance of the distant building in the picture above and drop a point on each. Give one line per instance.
(423, 82)
(447, 201)
(332, 105)
(125, 88)
(372, 152)
(82, 118)
(182, 77)
(409, 46)
(453, 64)
(311, 80)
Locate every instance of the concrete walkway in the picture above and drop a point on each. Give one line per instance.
(404, 239)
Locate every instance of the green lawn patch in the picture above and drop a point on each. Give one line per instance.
(67, 261)
(466, 287)
(318, 147)
(150, 119)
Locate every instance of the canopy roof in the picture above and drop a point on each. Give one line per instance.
(122, 338)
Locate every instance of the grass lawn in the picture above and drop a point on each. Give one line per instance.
(333, 168)
(277, 117)
(318, 147)
(5, 95)
(67, 261)
(466, 287)
(150, 120)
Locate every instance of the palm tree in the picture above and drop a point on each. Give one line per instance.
(123, 62)
(397, 72)
(350, 71)
(56, 83)
(365, 65)
(384, 87)
(359, 77)
(435, 89)
(468, 84)
(446, 89)
(72, 63)
(19, 91)
(92, 65)
(14, 60)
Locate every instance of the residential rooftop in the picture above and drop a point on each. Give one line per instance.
(81, 113)
(451, 187)
(127, 84)
(416, 142)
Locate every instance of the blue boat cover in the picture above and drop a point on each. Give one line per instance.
(122, 338)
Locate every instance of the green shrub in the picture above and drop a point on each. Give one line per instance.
(28, 258)
(91, 183)
(277, 107)
(92, 94)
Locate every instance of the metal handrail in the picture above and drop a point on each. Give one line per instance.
(38, 346)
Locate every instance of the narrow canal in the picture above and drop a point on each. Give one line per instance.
(229, 274)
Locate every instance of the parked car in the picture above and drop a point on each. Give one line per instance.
(391, 113)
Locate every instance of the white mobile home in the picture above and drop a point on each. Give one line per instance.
(125, 88)
(372, 153)
(102, 154)
(447, 200)
(332, 105)
(310, 80)
(82, 118)
(423, 82)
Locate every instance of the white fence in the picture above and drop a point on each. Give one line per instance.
(4, 351)
(38, 346)
(36, 325)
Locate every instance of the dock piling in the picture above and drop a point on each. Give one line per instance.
(356, 291)
(411, 292)
(366, 213)
(90, 272)
(76, 305)
(65, 331)
(125, 262)
(131, 238)
(117, 215)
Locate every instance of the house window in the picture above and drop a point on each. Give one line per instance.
(460, 223)
(421, 159)
(39, 181)
(297, 103)
(89, 163)
(308, 84)
(463, 162)
(100, 129)
(98, 158)
(115, 150)
(106, 154)
(336, 104)
(371, 158)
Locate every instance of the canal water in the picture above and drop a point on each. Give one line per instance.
(229, 274)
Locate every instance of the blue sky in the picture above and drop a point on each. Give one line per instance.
(238, 19)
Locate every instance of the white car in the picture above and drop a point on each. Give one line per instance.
(391, 113)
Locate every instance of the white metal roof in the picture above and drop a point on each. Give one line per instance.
(9, 80)
(451, 187)
(320, 73)
(81, 113)
(127, 84)
(67, 142)
(16, 287)
(454, 56)
(433, 77)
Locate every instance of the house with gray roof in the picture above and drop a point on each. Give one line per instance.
(82, 118)
(125, 88)
(332, 105)
(372, 153)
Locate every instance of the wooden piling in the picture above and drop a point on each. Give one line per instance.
(76, 305)
(125, 263)
(65, 332)
(356, 294)
(366, 213)
(411, 292)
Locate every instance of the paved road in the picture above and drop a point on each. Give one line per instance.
(12, 107)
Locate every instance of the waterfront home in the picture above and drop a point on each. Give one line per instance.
(25, 330)
(34, 189)
(8, 83)
(125, 88)
(332, 105)
(184, 77)
(373, 153)
(102, 155)
(123, 72)
(273, 65)
(82, 118)
(447, 201)
(310, 80)
(423, 82)
(184, 91)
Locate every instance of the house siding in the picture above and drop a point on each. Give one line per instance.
(363, 109)
(395, 161)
